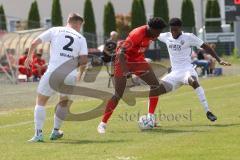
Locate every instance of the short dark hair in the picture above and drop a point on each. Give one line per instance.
(157, 23)
(175, 22)
(74, 17)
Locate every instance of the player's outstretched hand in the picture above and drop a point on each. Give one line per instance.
(224, 63)
(27, 62)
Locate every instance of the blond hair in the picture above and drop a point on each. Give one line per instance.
(74, 17)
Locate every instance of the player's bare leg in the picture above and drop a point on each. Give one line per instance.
(156, 89)
(202, 98)
(59, 116)
(120, 84)
(39, 117)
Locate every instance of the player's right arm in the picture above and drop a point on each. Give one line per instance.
(162, 37)
(33, 46)
(83, 58)
(44, 37)
(122, 61)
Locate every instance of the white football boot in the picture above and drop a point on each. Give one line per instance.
(102, 128)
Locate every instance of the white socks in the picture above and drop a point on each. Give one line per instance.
(202, 98)
(59, 116)
(39, 118)
(57, 122)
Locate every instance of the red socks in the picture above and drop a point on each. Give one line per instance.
(109, 110)
(111, 105)
(152, 104)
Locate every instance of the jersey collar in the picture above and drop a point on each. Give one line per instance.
(178, 36)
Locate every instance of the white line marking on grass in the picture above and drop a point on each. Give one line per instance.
(18, 124)
(189, 92)
(18, 92)
(126, 158)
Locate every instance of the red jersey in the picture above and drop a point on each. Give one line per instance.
(34, 56)
(40, 62)
(137, 43)
(22, 60)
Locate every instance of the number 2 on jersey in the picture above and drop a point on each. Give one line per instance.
(67, 46)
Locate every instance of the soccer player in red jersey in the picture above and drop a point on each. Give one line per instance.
(129, 60)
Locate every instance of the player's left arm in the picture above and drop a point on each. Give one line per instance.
(195, 41)
(213, 53)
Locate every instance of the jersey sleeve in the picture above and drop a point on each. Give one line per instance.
(83, 47)
(133, 40)
(162, 37)
(195, 41)
(46, 36)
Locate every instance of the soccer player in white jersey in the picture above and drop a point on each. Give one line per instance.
(182, 72)
(65, 43)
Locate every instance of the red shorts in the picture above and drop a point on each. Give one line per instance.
(138, 67)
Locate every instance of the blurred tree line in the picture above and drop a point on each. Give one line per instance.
(122, 23)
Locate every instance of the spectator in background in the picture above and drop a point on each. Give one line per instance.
(199, 61)
(21, 67)
(210, 59)
(4, 67)
(110, 47)
(8, 61)
(109, 54)
(39, 66)
(109, 50)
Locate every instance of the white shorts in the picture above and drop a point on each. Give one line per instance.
(177, 78)
(45, 89)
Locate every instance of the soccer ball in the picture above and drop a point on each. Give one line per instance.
(145, 122)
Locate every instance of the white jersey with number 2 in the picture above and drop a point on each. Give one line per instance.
(65, 43)
(180, 49)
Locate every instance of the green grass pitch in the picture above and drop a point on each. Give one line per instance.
(190, 138)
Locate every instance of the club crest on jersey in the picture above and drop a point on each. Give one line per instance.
(182, 42)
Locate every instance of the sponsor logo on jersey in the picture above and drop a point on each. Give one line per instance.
(66, 55)
(175, 47)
